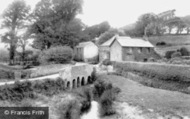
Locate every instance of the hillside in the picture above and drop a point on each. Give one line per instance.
(173, 42)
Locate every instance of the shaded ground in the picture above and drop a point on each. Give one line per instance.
(151, 99)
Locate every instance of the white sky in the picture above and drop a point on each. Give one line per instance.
(121, 12)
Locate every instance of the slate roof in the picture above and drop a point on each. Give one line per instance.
(128, 42)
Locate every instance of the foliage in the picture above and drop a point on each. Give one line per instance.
(14, 19)
(176, 54)
(21, 90)
(143, 22)
(56, 55)
(96, 30)
(165, 72)
(6, 74)
(55, 23)
(107, 62)
(162, 43)
(94, 75)
(168, 54)
(108, 34)
(184, 51)
(105, 93)
(70, 110)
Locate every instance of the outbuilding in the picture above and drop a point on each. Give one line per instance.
(86, 51)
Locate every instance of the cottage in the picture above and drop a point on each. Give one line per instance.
(86, 51)
(121, 48)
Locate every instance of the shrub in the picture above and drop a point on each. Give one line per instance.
(107, 62)
(70, 110)
(56, 55)
(161, 43)
(21, 90)
(184, 51)
(176, 54)
(6, 74)
(169, 54)
(105, 93)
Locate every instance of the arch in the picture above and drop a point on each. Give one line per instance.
(82, 81)
(74, 83)
(89, 80)
(68, 84)
(78, 82)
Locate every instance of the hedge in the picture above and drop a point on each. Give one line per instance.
(156, 70)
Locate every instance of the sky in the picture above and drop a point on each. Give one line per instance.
(120, 12)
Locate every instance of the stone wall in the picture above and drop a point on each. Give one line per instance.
(76, 76)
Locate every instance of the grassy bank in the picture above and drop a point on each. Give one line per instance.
(167, 72)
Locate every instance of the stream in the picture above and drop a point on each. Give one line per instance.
(93, 112)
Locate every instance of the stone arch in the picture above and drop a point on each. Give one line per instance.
(68, 84)
(78, 82)
(82, 81)
(74, 83)
(89, 80)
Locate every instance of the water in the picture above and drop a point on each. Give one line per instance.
(93, 112)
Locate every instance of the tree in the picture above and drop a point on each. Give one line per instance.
(109, 34)
(96, 30)
(55, 23)
(142, 23)
(14, 19)
(186, 20)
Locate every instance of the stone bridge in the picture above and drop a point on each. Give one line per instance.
(76, 76)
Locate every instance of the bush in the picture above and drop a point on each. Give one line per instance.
(168, 54)
(184, 51)
(107, 62)
(105, 94)
(176, 54)
(6, 74)
(21, 90)
(70, 110)
(56, 55)
(160, 43)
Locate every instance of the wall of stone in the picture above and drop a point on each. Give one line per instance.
(76, 76)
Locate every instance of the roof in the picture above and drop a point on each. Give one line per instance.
(83, 44)
(128, 42)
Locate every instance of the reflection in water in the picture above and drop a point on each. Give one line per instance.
(93, 113)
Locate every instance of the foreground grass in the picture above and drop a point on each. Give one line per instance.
(161, 101)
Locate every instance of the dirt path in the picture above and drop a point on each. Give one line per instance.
(151, 99)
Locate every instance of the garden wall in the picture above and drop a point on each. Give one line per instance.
(155, 70)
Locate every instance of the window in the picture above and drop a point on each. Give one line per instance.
(130, 50)
(148, 50)
(140, 50)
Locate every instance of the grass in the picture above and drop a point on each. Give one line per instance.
(167, 72)
(173, 42)
(161, 101)
(171, 39)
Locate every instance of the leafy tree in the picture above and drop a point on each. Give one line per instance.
(96, 30)
(55, 23)
(186, 20)
(109, 34)
(142, 23)
(14, 19)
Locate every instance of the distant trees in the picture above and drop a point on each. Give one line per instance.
(150, 24)
(14, 19)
